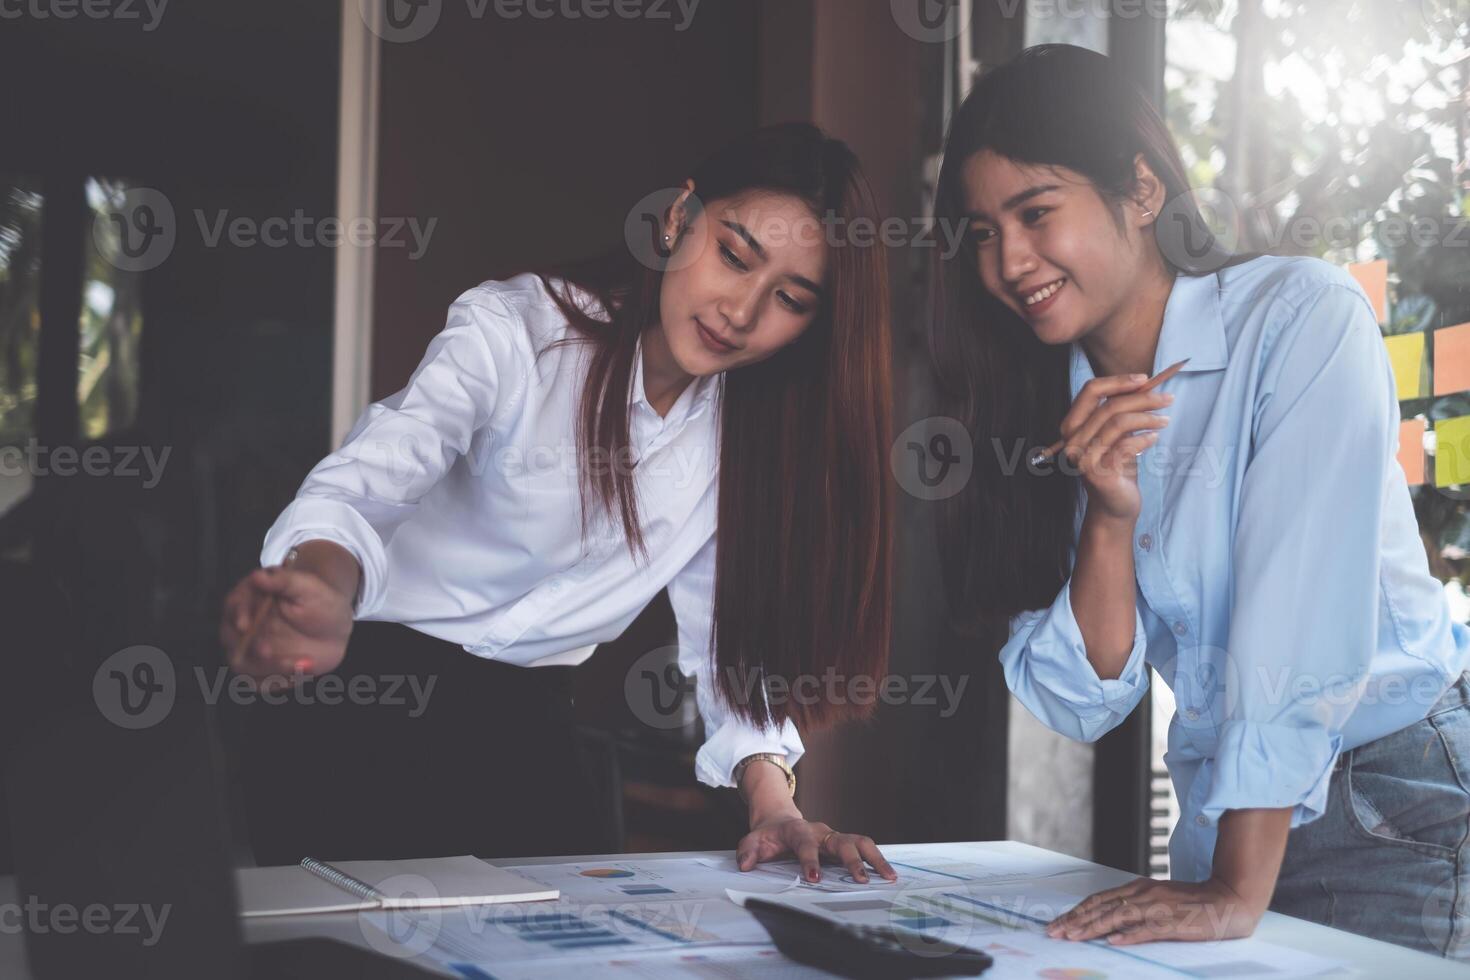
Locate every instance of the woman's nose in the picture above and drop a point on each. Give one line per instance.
(739, 308)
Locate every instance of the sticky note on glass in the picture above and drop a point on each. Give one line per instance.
(1373, 277)
(1452, 359)
(1411, 450)
(1406, 354)
(1452, 451)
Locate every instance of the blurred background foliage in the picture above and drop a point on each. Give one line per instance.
(1341, 129)
(20, 320)
(110, 324)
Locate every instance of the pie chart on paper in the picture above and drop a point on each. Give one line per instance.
(606, 873)
(1070, 973)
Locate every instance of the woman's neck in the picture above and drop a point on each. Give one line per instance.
(1127, 342)
(663, 379)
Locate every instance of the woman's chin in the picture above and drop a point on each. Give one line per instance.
(698, 363)
(1055, 332)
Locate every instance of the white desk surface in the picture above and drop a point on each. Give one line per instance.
(1370, 957)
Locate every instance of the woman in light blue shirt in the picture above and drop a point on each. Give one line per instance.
(1244, 528)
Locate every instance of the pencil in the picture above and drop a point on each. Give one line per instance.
(244, 645)
(1042, 455)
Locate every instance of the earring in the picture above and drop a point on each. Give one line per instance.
(1148, 214)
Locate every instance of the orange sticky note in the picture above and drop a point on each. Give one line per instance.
(1373, 277)
(1411, 450)
(1452, 452)
(1406, 354)
(1452, 359)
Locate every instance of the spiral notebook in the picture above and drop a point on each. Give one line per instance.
(352, 886)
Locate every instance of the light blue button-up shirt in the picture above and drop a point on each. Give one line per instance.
(1282, 589)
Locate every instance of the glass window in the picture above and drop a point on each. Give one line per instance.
(20, 306)
(111, 326)
(20, 326)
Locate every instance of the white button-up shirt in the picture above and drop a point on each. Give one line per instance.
(459, 497)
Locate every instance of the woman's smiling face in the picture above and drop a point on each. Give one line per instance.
(1048, 245)
(747, 277)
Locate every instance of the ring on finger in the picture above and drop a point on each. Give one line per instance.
(830, 835)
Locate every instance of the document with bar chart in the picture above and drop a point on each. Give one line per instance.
(683, 917)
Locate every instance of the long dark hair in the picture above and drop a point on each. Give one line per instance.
(1005, 540)
(803, 549)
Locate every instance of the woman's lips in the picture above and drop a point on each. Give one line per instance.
(714, 343)
(1037, 309)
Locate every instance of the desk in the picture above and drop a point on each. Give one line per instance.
(1371, 957)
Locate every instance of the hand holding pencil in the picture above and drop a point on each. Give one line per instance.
(281, 622)
(1110, 423)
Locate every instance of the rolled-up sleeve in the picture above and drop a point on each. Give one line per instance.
(401, 446)
(1305, 554)
(728, 737)
(1046, 667)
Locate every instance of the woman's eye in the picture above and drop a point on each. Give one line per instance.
(980, 236)
(791, 304)
(1035, 214)
(731, 257)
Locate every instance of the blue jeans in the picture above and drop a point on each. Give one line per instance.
(1389, 858)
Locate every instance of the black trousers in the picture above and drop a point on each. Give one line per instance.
(434, 751)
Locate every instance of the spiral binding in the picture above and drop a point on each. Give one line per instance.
(344, 881)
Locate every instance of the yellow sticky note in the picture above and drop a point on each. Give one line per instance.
(1452, 451)
(1452, 359)
(1373, 277)
(1406, 353)
(1411, 450)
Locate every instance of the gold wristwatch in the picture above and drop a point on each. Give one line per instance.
(772, 757)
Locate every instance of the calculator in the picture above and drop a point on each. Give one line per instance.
(860, 951)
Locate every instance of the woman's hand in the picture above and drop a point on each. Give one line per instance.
(1145, 910)
(809, 840)
(304, 630)
(1096, 439)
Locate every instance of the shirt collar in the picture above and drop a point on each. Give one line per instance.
(693, 402)
(1193, 328)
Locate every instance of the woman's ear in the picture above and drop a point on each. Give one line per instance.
(1148, 192)
(680, 213)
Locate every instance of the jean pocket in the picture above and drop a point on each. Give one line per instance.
(1406, 789)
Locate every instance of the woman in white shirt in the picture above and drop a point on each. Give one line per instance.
(712, 418)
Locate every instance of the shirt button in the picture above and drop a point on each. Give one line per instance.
(1146, 542)
(1180, 629)
(1202, 820)
(555, 587)
(1191, 714)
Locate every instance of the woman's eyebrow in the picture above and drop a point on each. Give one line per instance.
(806, 284)
(1017, 199)
(744, 233)
(756, 246)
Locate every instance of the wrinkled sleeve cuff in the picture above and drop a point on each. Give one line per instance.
(715, 761)
(325, 519)
(1270, 766)
(1057, 658)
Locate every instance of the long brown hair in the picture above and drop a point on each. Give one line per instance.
(803, 576)
(1005, 540)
